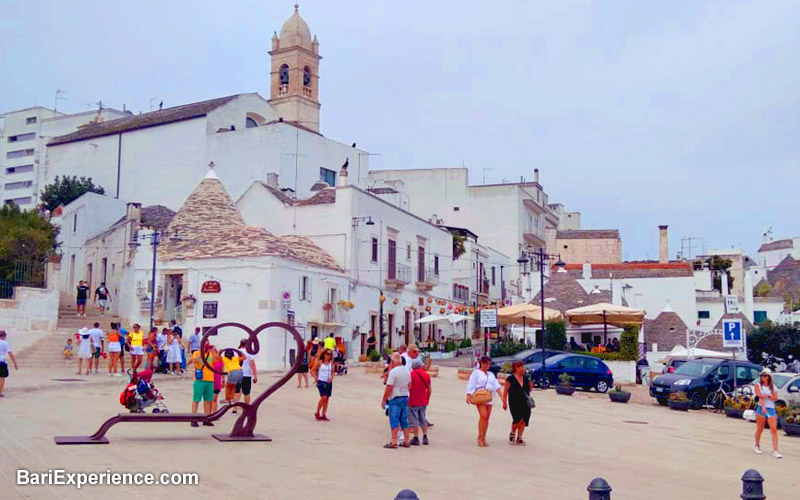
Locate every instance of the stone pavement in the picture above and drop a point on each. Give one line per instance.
(643, 450)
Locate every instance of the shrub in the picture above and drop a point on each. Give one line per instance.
(555, 336)
(465, 343)
(374, 356)
(605, 356)
(618, 388)
(566, 379)
(506, 367)
(506, 347)
(629, 344)
(449, 346)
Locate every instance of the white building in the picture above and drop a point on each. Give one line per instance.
(23, 136)
(772, 251)
(160, 156)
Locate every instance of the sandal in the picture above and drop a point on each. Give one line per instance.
(390, 446)
(520, 441)
(511, 437)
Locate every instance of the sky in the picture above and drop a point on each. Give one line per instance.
(637, 113)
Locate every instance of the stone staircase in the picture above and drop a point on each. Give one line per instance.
(47, 351)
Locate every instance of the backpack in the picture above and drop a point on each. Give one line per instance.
(127, 397)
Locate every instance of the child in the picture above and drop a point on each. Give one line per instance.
(68, 350)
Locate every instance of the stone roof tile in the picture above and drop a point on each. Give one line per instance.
(587, 234)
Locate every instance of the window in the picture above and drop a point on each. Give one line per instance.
(456, 209)
(703, 314)
(794, 385)
(565, 247)
(592, 364)
(374, 256)
(20, 153)
(328, 176)
(22, 137)
(250, 123)
(759, 316)
(408, 251)
(392, 264)
(493, 282)
(284, 74)
(19, 201)
(306, 77)
(305, 288)
(30, 120)
(19, 170)
(18, 185)
(74, 222)
(436, 265)
(575, 363)
(586, 337)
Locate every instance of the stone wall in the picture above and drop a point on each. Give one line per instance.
(32, 310)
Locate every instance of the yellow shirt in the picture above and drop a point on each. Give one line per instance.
(231, 364)
(329, 343)
(136, 338)
(208, 375)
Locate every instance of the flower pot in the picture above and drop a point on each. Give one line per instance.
(680, 405)
(566, 390)
(619, 397)
(374, 367)
(433, 371)
(464, 373)
(733, 412)
(363, 358)
(790, 429)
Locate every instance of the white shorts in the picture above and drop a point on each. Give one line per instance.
(114, 347)
(137, 350)
(103, 303)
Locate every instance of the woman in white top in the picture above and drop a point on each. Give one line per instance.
(174, 352)
(323, 373)
(765, 411)
(84, 349)
(481, 379)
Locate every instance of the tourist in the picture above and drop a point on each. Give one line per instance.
(176, 330)
(114, 349)
(98, 344)
(249, 373)
(219, 368)
(480, 391)
(84, 350)
(766, 412)
(403, 351)
(5, 355)
(151, 347)
(68, 352)
(80, 298)
(104, 297)
(203, 386)
(324, 374)
(615, 344)
(372, 343)
(194, 341)
(174, 351)
(395, 398)
(302, 370)
(173, 325)
(233, 384)
(136, 341)
(163, 345)
(123, 342)
(330, 342)
(516, 397)
(418, 399)
(314, 355)
(573, 346)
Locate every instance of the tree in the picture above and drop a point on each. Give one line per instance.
(629, 344)
(762, 289)
(769, 344)
(555, 335)
(64, 190)
(25, 236)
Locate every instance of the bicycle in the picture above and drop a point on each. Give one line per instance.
(715, 401)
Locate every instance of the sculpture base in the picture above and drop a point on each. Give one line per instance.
(228, 437)
(80, 440)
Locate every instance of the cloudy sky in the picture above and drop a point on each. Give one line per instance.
(637, 113)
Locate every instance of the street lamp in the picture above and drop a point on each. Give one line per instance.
(155, 240)
(368, 221)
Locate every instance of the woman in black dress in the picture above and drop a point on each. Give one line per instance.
(516, 393)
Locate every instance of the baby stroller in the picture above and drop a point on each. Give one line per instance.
(339, 362)
(140, 393)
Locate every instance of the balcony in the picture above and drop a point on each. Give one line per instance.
(483, 289)
(397, 276)
(307, 92)
(426, 280)
(284, 89)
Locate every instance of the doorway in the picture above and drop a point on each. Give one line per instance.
(172, 297)
(408, 327)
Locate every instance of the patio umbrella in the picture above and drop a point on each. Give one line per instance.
(431, 318)
(605, 313)
(525, 314)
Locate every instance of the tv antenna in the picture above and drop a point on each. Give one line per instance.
(58, 98)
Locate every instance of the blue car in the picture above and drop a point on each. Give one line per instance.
(588, 372)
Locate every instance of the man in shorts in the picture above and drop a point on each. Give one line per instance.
(203, 387)
(5, 355)
(81, 295)
(98, 342)
(103, 296)
(419, 396)
(249, 374)
(395, 398)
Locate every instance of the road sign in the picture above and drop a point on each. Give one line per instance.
(488, 318)
(286, 301)
(731, 304)
(732, 333)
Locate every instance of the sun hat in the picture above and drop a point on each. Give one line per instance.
(766, 371)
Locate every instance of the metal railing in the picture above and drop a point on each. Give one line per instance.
(31, 274)
(399, 272)
(599, 489)
(428, 276)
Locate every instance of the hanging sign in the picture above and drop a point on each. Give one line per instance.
(211, 286)
(731, 304)
(488, 318)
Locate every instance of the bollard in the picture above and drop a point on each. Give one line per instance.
(599, 489)
(406, 495)
(752, 485)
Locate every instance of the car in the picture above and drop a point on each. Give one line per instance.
(672, 365)
(588, 372)
(787, 384)
(698, 377)
(529, 356)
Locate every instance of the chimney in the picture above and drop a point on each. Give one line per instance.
(133, 212)
(724, 283)
(663, 244)
(748, 295)
(535, 175)
(272, 180)
(587, 270)
(343, 181)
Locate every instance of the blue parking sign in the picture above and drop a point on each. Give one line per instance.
(732, 333)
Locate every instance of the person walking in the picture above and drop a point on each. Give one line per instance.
(233, 385)
(151, 347)
(194, 341)
(330, 342)
(176, 330)
(81, 295)
(114, 350)
(219, 383)
(418, 398)
(103, 296)
(372, 343)
(136, 341)
(98, 345)
(123, 342)
(324, 374)
(174, 353)
(766, 412)
(163, 346)
(84, 350)
(5, 354)
(249, 373)
(395, 399)
(302, 370)
(481, 388)
(516, 396)
(203, 386)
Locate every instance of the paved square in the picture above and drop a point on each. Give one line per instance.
(643, 450)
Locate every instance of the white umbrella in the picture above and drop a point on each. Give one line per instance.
(458, 318)
(431, 318)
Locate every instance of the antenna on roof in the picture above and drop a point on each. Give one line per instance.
(57, 98)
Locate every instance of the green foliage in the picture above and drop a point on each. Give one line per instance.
(762, 289)
(605, 356)
(432, 347)
(555, 335)
(449, 346)
(24, 236)
(66, 189)
(505, 367)
(458, 245)
(387, 351)
(507, 346)
(770, 344)
(374, 356)
(629, 344)
(618, 388)
(566, 379)
(467, 342)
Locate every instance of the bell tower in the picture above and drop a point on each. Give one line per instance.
(294, 75)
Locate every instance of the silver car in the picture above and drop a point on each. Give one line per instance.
(787, 384)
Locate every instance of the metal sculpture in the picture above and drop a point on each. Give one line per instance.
(243, 428)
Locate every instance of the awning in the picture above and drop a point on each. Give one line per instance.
(605, 313)
(525, 314)
(451, 318)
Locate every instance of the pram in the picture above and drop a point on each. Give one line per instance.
(140, 393)
(340, 363)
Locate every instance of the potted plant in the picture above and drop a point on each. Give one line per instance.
(505, 371)
(464, 373)
(734, 407)
(789, 420)
(375, 365)
(619, 395)
(428, 366)
(565, 386)
(679, 401)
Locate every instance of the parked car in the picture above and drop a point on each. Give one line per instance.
(588, 372)
(672, 365)
(700, 376)
(787, 384)
(529, 356)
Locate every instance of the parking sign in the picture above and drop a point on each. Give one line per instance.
(733, 334)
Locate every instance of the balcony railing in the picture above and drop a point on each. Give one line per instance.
(400, 273)
(307, 92)
(483, 289)
(284, 89)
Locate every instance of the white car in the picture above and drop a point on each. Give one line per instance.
(787, 384)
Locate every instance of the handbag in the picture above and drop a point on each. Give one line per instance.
(528, 398)
(481, 396)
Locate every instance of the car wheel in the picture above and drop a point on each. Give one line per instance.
(662, 401)
(697, 400)
(602, 386)
(542, 382)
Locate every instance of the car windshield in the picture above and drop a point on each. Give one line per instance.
(781, 380)
(523, 354)
(695, 368)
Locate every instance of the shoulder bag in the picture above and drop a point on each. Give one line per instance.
(528, 398)
(481, 396)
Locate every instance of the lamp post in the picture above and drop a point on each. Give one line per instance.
(155, 240)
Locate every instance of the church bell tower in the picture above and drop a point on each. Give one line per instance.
(294, 75)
